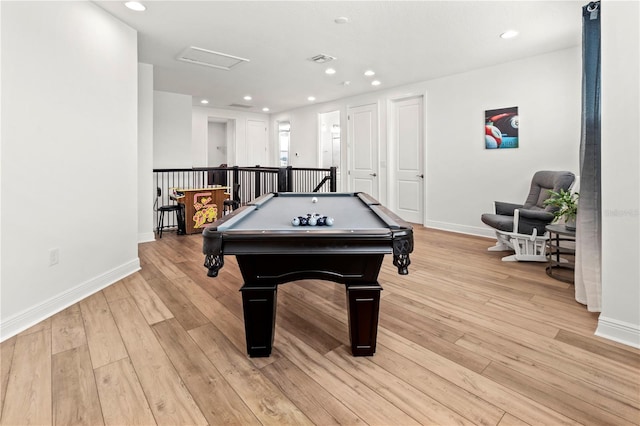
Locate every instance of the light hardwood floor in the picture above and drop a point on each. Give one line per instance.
(463, 339)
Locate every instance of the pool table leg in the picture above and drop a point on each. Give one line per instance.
(363, 304)
(259, 306)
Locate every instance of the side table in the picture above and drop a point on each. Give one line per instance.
(561, 253)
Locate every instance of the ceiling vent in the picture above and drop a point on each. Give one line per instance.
(322, 58)
(209, 58)
(240, 106)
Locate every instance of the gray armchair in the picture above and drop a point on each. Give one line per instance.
(521, 227)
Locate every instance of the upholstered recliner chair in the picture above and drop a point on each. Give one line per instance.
(521, 227)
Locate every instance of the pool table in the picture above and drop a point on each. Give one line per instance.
(270, 251)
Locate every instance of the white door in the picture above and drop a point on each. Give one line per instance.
(407, 140)
(363, 149)
(256, 143)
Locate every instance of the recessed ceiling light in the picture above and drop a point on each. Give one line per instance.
(265, 109)
(204, 101)
(135, 5)
(369, 73)
(341, 20)
(247, 98)
(311, 98)
(375, 83)
(509, 34)
(330, 71)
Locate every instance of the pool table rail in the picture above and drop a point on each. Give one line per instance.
(222, 237)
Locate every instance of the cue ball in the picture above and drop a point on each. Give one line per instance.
(314, 200)
(295, 221)
(329, 221)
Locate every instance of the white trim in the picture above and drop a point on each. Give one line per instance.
(619, 331)
(146, 237)
(461, 229)
(37, 313)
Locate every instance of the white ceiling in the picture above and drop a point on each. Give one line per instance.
(402, 41)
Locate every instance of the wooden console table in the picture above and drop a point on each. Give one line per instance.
(202, 206)
(561, 253)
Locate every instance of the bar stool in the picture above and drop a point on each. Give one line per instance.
(232, 203)
(168, 209)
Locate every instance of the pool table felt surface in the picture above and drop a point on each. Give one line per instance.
(275, 213)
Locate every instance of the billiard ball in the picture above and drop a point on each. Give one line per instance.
(314, 200)
(329, 221)
(303, 221)
(295, 221)
(493, 136)
(313, 221)
(322, 221)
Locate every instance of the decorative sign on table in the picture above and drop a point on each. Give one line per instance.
(206, 211)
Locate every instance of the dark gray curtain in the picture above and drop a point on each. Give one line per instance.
(588, 282)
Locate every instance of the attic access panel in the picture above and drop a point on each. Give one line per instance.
(210, 58)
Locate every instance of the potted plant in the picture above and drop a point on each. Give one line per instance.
(566, 203)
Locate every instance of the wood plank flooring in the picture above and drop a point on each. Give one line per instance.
(463, 339)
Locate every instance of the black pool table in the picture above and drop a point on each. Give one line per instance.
(271, 251)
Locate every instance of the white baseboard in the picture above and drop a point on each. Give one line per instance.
(462, 229)
(146, 237)
(619, 331)
(31, 316)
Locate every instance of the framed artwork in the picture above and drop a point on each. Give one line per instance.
(501, 128)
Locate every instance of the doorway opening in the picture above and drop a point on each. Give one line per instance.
(330, 147)
(284, 139)
(217, 141)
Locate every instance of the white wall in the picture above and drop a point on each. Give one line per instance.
(0, 171)
(462, 178)
(146, 190)
(69, 156)
(620, 318)
(546, 89)
(172, 147)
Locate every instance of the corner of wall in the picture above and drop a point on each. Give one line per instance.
(34, 314)
(618, 331)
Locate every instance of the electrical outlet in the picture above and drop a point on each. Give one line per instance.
(54, 256)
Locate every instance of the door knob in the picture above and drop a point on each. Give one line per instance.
(373, 174)
(421, 175)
